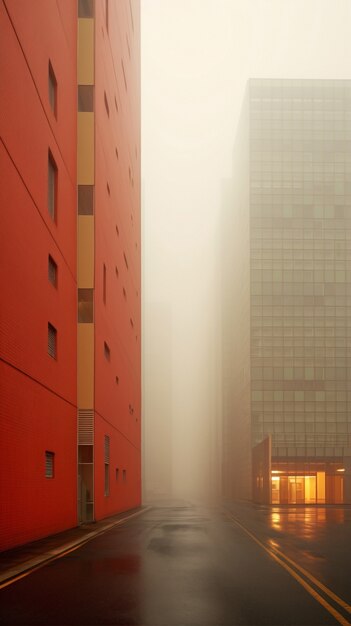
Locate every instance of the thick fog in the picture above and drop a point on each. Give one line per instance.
(197, 56)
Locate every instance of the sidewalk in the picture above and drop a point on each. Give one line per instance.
(17, 561)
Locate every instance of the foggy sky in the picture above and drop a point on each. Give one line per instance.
(196, 58)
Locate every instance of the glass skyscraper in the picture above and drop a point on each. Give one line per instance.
(299, 252)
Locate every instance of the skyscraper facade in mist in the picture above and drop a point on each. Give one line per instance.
(298, 248)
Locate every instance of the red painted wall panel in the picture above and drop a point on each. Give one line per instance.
(117, 245)
(34, 420)
(38, 393)
(27, 126)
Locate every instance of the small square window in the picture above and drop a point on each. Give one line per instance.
(85, 8)
(52, 271)
(85, 306)
(52, 90)
(85, 200)
(49, 464)
(52, 341)
(85, 98)
(52, 187)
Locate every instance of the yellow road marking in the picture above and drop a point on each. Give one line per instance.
(273, 554)
(73, 549)
(306, 573)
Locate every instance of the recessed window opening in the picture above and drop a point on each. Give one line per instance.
(104, 283)
(85, 200)
(52, 341)
(85, 98)
(124, 475)
(107, 351)
(85, 8)
(52, 186)
(52, 271)
(125, 260)
(124, 293)
(108, 189)
(117, 473)
(131, 322)
(49, 464)
(52, 90)
(117, 230)
(116, 105)
(85, 306)
(106, 13)
(116, 151)
(106, 104)
(117, 380)
(117, 272)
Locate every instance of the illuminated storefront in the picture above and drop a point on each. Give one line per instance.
(318, 486)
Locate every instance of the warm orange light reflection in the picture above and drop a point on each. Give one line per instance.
(295, 489)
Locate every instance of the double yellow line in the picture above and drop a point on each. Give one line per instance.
(293, 568)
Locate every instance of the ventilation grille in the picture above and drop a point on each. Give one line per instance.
(107, 449)
(85, 427)
(52, 335)
(49, 464)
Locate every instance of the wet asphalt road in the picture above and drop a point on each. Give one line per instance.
(173, 565)
(318, 537)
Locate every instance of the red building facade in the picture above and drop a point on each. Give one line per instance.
(45, 340)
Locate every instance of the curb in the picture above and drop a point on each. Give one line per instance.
(27, 567)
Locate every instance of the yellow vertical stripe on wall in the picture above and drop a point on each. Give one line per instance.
(85, 68)
(85, 366)
(85, 148)
(85, 251)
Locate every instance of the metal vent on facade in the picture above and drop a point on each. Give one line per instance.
(49, 464)
(107, 449)
(52, 336)
(85, 427)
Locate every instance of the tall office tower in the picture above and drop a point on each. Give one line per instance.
(70, 264)
(294, 232)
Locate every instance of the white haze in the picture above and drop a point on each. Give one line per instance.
(196, 58)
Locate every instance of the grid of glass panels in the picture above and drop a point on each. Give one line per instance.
(300, 214)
